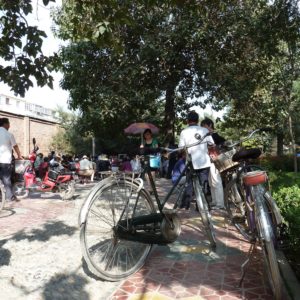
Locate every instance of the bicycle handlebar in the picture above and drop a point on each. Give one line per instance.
(249, 136)
(148, 151)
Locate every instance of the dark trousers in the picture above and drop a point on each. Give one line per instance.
(203, 178)
(5, 176)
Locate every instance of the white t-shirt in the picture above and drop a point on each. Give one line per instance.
(199, 153)
(85, 164)
(7, 142)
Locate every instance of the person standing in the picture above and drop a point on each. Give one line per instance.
(7, 145)
(86, 169)
(151, 142)
(214, 179)
(199, 154)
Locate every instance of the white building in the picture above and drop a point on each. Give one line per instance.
(22, 107)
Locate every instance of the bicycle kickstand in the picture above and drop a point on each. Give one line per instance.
(245, 264)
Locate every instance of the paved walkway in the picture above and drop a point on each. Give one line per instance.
(40, 254)
(188, 269)
(40, 258)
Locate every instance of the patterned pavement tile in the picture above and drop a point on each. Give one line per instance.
(189, 269)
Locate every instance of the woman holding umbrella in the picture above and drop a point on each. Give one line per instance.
(151, 142)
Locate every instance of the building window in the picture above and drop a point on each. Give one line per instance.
(18, 103)
(7, 101)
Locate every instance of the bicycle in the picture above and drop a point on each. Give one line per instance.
(119, 222)
(253, 211)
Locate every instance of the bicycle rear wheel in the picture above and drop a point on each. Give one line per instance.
(107, 256)
(235, 206)
(2, 196)
(204, 212)
(267, 240)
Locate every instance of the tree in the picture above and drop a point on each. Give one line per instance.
(171, 51)
(70, 139)
(275, 102)
(21, 48)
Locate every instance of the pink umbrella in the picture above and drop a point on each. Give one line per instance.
(139, 128)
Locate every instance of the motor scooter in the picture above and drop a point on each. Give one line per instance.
(54, 181)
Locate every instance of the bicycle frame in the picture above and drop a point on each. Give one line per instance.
(151, 218)
(148, 221)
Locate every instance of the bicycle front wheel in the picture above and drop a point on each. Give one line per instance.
(204, 212)
(107, 256)
(267, 240)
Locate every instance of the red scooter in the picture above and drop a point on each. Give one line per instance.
(54, 181)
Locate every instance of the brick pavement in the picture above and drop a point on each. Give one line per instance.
(188, 269)
(40, 258)
(40, 254)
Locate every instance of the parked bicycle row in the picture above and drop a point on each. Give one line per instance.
(120, 219)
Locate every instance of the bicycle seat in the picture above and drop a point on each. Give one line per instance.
(246, 154)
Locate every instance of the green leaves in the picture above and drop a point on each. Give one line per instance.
(21, 48)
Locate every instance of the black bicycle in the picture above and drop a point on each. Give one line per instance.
(119, 221)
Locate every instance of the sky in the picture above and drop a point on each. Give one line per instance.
(52, 98)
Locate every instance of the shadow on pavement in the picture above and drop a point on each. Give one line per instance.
(4, 254)
(52, 228)
(65, 287)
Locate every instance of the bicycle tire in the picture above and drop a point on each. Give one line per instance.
(267, 240)
(179, 198)
(20, 191)
(235, 204)
(2, 195)
(68, 190)
(204, 212)
(236, 211)
(109, 258)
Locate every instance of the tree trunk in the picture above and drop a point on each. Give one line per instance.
(291, 131)
(169, 120)
(280, 144)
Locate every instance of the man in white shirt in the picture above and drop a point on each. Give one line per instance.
(7, 145)
(200, 158)
(86, 168)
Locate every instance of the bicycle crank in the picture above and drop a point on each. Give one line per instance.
(170, 227)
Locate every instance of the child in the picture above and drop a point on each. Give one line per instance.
(177, 171)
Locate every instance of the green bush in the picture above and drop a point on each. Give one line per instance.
(288, 201)
(278, 163)
(279, 180)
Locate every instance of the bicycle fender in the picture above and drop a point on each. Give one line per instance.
(274, 208)
(262, 219)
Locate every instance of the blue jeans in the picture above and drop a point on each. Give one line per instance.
(5, 176)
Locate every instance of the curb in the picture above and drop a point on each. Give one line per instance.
(291, 283)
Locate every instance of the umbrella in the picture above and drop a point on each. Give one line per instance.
(139, 128)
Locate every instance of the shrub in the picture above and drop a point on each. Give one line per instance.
(288, 201)
(278, 163)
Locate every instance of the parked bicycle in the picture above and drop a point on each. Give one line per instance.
(251, 207)
(119, 222)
